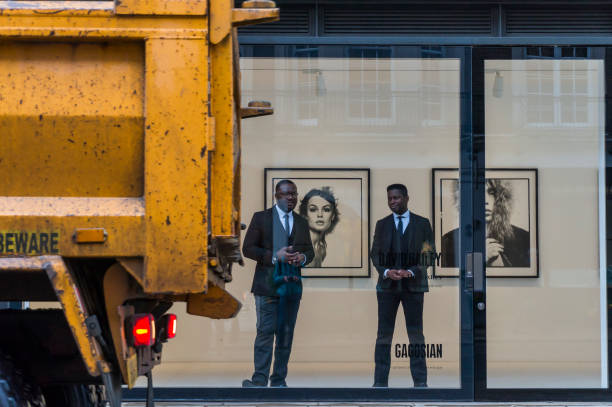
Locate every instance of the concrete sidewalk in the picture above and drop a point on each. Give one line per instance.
(348, 404)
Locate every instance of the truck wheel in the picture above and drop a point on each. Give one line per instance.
(14, 389)
(75, 395)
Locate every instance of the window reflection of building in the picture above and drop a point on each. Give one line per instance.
(557, 97)
(540, 111)
(309, 87)
(431, 90)
(370, 100)
(574, 92)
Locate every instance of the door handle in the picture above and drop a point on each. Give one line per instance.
(469, 271)
(474, 272)
(478, 273)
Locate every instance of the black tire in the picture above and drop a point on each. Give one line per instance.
(75, 395)
(15, 390)
(7, 399)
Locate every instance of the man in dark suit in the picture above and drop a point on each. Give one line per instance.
(401, 252)
(279, 240)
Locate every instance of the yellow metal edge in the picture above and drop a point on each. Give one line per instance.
(131, 370)
(100, 32)
(68, 296)
(58, 12)
(12, 7)
(216, 303)
(161, 7)
(248, 16)
(118, 287)
(220, 20)
(222, 159)
(75, 312)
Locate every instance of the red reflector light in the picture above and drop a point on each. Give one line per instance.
(171, 328)
(143, 330)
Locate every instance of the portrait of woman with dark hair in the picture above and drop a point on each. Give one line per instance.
(335, 203)
(320, 208)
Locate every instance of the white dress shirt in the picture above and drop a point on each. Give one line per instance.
(405, 219)
(405, 222)
(281, 215)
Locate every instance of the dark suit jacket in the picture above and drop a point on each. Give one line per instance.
(258, 245)
(418, 239)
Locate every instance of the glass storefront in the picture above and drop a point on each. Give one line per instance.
(502, 153)
(348, 127)
(545, 126)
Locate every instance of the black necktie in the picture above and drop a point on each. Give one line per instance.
(287, 225)
(398, 241)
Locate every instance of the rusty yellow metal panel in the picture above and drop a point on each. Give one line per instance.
(72, 119)
(161, 7)
(95, 97)
(176, 165)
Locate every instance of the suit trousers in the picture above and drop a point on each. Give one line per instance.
(276, 317)
(388, 303)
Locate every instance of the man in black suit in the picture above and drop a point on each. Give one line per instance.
(401, 252)
(278, 239)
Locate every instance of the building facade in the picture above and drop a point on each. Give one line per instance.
(494, 114)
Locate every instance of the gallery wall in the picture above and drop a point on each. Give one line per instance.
(400, 119)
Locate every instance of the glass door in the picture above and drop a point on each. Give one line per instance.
(540, 304)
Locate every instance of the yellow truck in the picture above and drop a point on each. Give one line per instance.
(119, 186)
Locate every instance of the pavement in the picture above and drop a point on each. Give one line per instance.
(348, 404)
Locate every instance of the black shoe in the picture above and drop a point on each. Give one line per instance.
(380, 385)
(280, 385)
(250, 383)
(420, 385)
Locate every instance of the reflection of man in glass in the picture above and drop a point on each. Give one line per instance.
(401, 251)
(319, 206)
(507, 244)
(278, 239)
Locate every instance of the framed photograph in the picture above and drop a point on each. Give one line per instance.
(511, 214)
(336, 204)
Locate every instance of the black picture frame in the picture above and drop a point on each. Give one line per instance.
(352, 184)
(525, 254)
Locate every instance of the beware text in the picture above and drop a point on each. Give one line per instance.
(29, 243)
